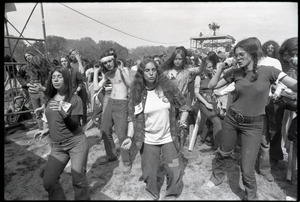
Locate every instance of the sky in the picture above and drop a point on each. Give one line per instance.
(153, 24)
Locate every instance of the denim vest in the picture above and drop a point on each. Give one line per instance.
(176, 101)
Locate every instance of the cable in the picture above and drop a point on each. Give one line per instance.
(121, 30)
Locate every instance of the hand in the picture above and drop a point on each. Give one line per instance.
(126, 144)
(77, 56)
(41, 134)
(97, 69)
(120, 65)
(230, 62)
(40, 87)
(38, 111)
(209, 106)
(33, 88)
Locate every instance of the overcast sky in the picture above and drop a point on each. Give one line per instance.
(154, 24)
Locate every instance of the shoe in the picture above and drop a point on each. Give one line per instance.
(106, 160)
(171, 197)
(152, 195)
(269, 177)
(127, 169)
(141, 178)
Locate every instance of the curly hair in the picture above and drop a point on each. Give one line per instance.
(253, 47)
(276, 48)
(170, 90)
(139, 81)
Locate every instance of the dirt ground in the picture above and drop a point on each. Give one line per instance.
(24, 157)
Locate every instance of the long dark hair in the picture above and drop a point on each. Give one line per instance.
(169, 63)
(169, 89)
(50, 91)
(253, 47)
(138, 84)
(67, 58)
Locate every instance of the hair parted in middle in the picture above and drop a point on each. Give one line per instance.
(50, 91)
(253, 47)
(169, 63)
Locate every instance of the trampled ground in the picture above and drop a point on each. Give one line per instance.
(24, 157)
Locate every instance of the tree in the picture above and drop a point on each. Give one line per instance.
(213, 26)
(56, 46)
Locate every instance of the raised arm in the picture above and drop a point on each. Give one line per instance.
(126, 75)
(215, 82)
(98, 85)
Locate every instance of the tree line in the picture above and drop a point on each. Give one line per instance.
(89, 49)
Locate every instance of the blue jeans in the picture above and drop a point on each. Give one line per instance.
(115, 114)
(212, 116)
(251, 135)
(76, 149)
(152, 157)
(264, 166)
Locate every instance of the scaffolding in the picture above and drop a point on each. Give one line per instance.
(212, 42)
(11, 95)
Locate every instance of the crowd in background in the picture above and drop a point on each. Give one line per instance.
(242, 95)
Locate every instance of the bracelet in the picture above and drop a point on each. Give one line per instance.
(129, 137)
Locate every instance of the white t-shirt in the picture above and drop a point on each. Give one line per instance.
(268, 61)
(157, 122)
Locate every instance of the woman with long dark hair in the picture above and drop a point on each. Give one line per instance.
(63, 110)
(205, 100)
(153, 111)
(177, 69)
(245, 113)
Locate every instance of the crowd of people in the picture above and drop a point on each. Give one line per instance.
(242, 95)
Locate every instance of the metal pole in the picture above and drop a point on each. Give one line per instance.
(44, 30)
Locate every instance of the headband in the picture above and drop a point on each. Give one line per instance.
(107, 58)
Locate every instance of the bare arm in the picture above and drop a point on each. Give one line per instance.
(126, 76)
(126, 144)
(81, 67)
(103, 81)
(290, 83)
(198, 95)
(215, 82)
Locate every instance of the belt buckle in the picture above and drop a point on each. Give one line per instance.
(239, 118)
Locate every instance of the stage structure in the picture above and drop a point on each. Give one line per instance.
(212, 42)
(15, 105)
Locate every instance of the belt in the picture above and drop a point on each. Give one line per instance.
(243, 119)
